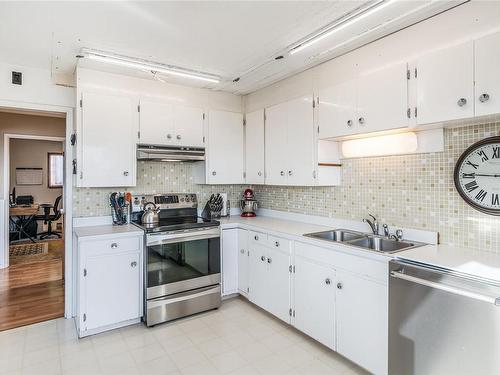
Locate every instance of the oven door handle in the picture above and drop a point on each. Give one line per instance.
(183, 296)
(160, 239)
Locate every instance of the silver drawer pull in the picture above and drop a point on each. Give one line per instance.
(114, 245)
(461, 102)
(133, 264)
(242, 251)
(256, 238)
(269, 260)
(328, 281)
(277, 244)
(339, 285)
(483, 98)
(263, 258)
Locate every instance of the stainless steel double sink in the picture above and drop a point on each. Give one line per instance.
(364, 241)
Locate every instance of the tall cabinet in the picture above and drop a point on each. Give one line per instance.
(254, 147)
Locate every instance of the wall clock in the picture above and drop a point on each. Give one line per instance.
(477, 175)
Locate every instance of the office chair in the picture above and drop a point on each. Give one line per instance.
(48, 218)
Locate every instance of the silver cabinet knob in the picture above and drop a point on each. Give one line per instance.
(339, 285)
(349, 123)
(484, 98)
(328, 281)
(242, 251)
(269, 260)
(214, 173)
(114, 245)
(361, 120)
(259, 173)
(169, 136)
(263, 258)
(461, 102)
(125, 173)
(133, 264)
(282, 173)
(256, 238)
(277, 244)
(178, 137)
(290, 173)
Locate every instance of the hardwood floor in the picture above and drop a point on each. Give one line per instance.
(32, 289)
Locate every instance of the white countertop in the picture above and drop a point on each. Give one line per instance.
(480, 264)
(89, 232)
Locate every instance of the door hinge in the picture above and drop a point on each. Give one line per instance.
(138, 108)
(293, 314)
(314, 174)
(416, 73)
(244, 122)
(416, 112)
(408, 74)
(81, 175)
(408, 113)
(139, 134)
(318, 129)
(244, 174)
(203, 116)
(314, 103)
(290, 268)
(84, 317)
(203, 139)
(73, 139)
(248, 252)
(248, 290)
(290, 312)
(81, 103)
(84, 272)
(74, 166)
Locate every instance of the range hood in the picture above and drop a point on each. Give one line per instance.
(169, 153)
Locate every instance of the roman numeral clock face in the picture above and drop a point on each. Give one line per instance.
(477, 175)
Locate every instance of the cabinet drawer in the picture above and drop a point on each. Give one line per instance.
(111, 245)
(279, 243)
(257, 238)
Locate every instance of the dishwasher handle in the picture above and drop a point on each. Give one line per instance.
(446, 288)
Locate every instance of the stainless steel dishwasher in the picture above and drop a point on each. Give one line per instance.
(442, 322)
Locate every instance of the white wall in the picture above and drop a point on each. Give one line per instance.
(466, 22)
(38, 87)
(88, 79)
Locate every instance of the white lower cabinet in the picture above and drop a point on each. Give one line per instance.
(314, 300)
(230, 260)
(362, 321)
(109, 284)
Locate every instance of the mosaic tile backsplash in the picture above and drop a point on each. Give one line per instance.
(412, 191)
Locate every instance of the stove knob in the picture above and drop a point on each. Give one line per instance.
(187, 199)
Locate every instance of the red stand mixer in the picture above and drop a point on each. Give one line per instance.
(248, 204)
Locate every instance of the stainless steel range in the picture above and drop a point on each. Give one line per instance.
(182, 257)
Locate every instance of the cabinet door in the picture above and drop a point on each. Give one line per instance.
(225, 148)
(112, 289)
(378, 112)
(445, 84)
(314, 298)
(243, 259)
(254, 147)
(230, 251)
(337, 110)
(157, 123)
(188, 126)
(362, 327)
(276, 144)
(278, 284)
(300, 142)
(257, 277)
(107, 142)
(487, 75)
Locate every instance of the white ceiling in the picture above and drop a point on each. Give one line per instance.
(227, 38)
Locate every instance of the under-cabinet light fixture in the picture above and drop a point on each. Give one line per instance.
(153, 67)
(341, 24)
(392, 144)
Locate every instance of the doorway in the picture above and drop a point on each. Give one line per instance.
(32, 287)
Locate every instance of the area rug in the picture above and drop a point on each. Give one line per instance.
(29, 249)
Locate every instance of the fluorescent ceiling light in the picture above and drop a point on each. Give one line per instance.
(153, 67)
(393, 144)
(341, 24)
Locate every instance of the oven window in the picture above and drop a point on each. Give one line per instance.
(170, 263)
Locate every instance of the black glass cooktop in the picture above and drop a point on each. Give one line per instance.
(177, 223)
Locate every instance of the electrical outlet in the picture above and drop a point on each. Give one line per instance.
(17, 78)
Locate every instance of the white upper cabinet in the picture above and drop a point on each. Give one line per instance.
(487, 75)
(254, 147)
(107, 139)
(290, 143)
(225, 164)
(383, 99)
(337, 110)
(445, 80)
(164, 123)
(276, 148)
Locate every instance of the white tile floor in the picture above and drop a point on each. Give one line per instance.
(239, 338)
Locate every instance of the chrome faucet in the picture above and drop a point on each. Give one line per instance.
(372, 223)
(398, 236)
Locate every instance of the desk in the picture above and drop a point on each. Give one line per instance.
(26, 215)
